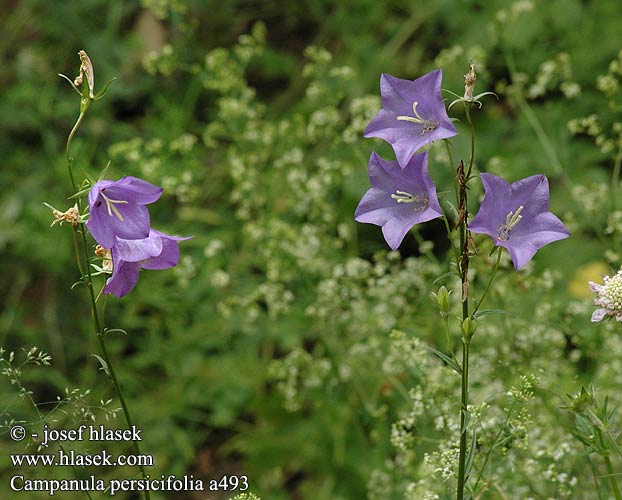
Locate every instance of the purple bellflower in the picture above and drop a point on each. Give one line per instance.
(517, 216)
(117, 209)
(609, 298)
(399, 198)
(413, 114)
(157, 251)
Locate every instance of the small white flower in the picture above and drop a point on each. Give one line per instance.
(609, 297)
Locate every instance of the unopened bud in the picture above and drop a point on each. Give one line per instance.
(442, 297)
(468, 328)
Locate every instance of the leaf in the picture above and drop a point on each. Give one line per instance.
(103, 363)
(443, 276)
(467, 420)
(79, 194)
(76, 284)
(115, 330)
(450, 362)
(470, 457)
(484, 312)
(103, 174)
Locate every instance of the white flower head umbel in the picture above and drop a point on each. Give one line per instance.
(609, 298)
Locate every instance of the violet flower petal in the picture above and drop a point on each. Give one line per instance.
(533, 227)
(123, 279)
(405, 128)
(399, 198)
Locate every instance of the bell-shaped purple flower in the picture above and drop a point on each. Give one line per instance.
(157, 251)
(517, 216)
(117, 209)
(399, 198)
(413, 114)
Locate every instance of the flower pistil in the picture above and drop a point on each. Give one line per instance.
(421, 201)
(110, 205)
(428, 125)
(512, 218)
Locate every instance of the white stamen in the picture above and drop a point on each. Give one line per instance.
(111, 208)
(511, 220)
(428, 125)
(420, 201)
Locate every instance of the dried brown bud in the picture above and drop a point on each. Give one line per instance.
(469, 83)
(86, 69)
(71, 215)
(106, 256)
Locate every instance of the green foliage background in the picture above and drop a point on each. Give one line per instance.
(288, 345)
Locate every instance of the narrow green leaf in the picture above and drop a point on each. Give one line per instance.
(484, 312)
(443, 276)
(80, 193)
(470, 456)
(450, 362)
(103, 363)
(115, 330)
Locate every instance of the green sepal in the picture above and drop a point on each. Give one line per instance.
(104, 90)
(70, 83)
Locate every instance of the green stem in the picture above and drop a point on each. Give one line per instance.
(464, 402)
(68, 149)
(595, 477)
(464, 273)
(452, 165)
(88, 281)
(495, 443)
(492, 277)
(612, 478)
(532, 118)
(467, 109)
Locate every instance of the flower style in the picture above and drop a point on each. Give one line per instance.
(399, 198)
(157, 251)
(516, 216)
(609, 298)
(117, 209)
(413, 114)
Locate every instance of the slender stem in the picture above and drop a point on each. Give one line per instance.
(464, 273)
(68, 149)
(452, 165)
(532, 118)
(467, 109)
(494, 445)
(464, 402)
(492, 277)
(612, 478)
(595, 477)
(87, 279)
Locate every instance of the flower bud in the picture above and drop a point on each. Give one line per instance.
(442, 298)
(468, 328)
